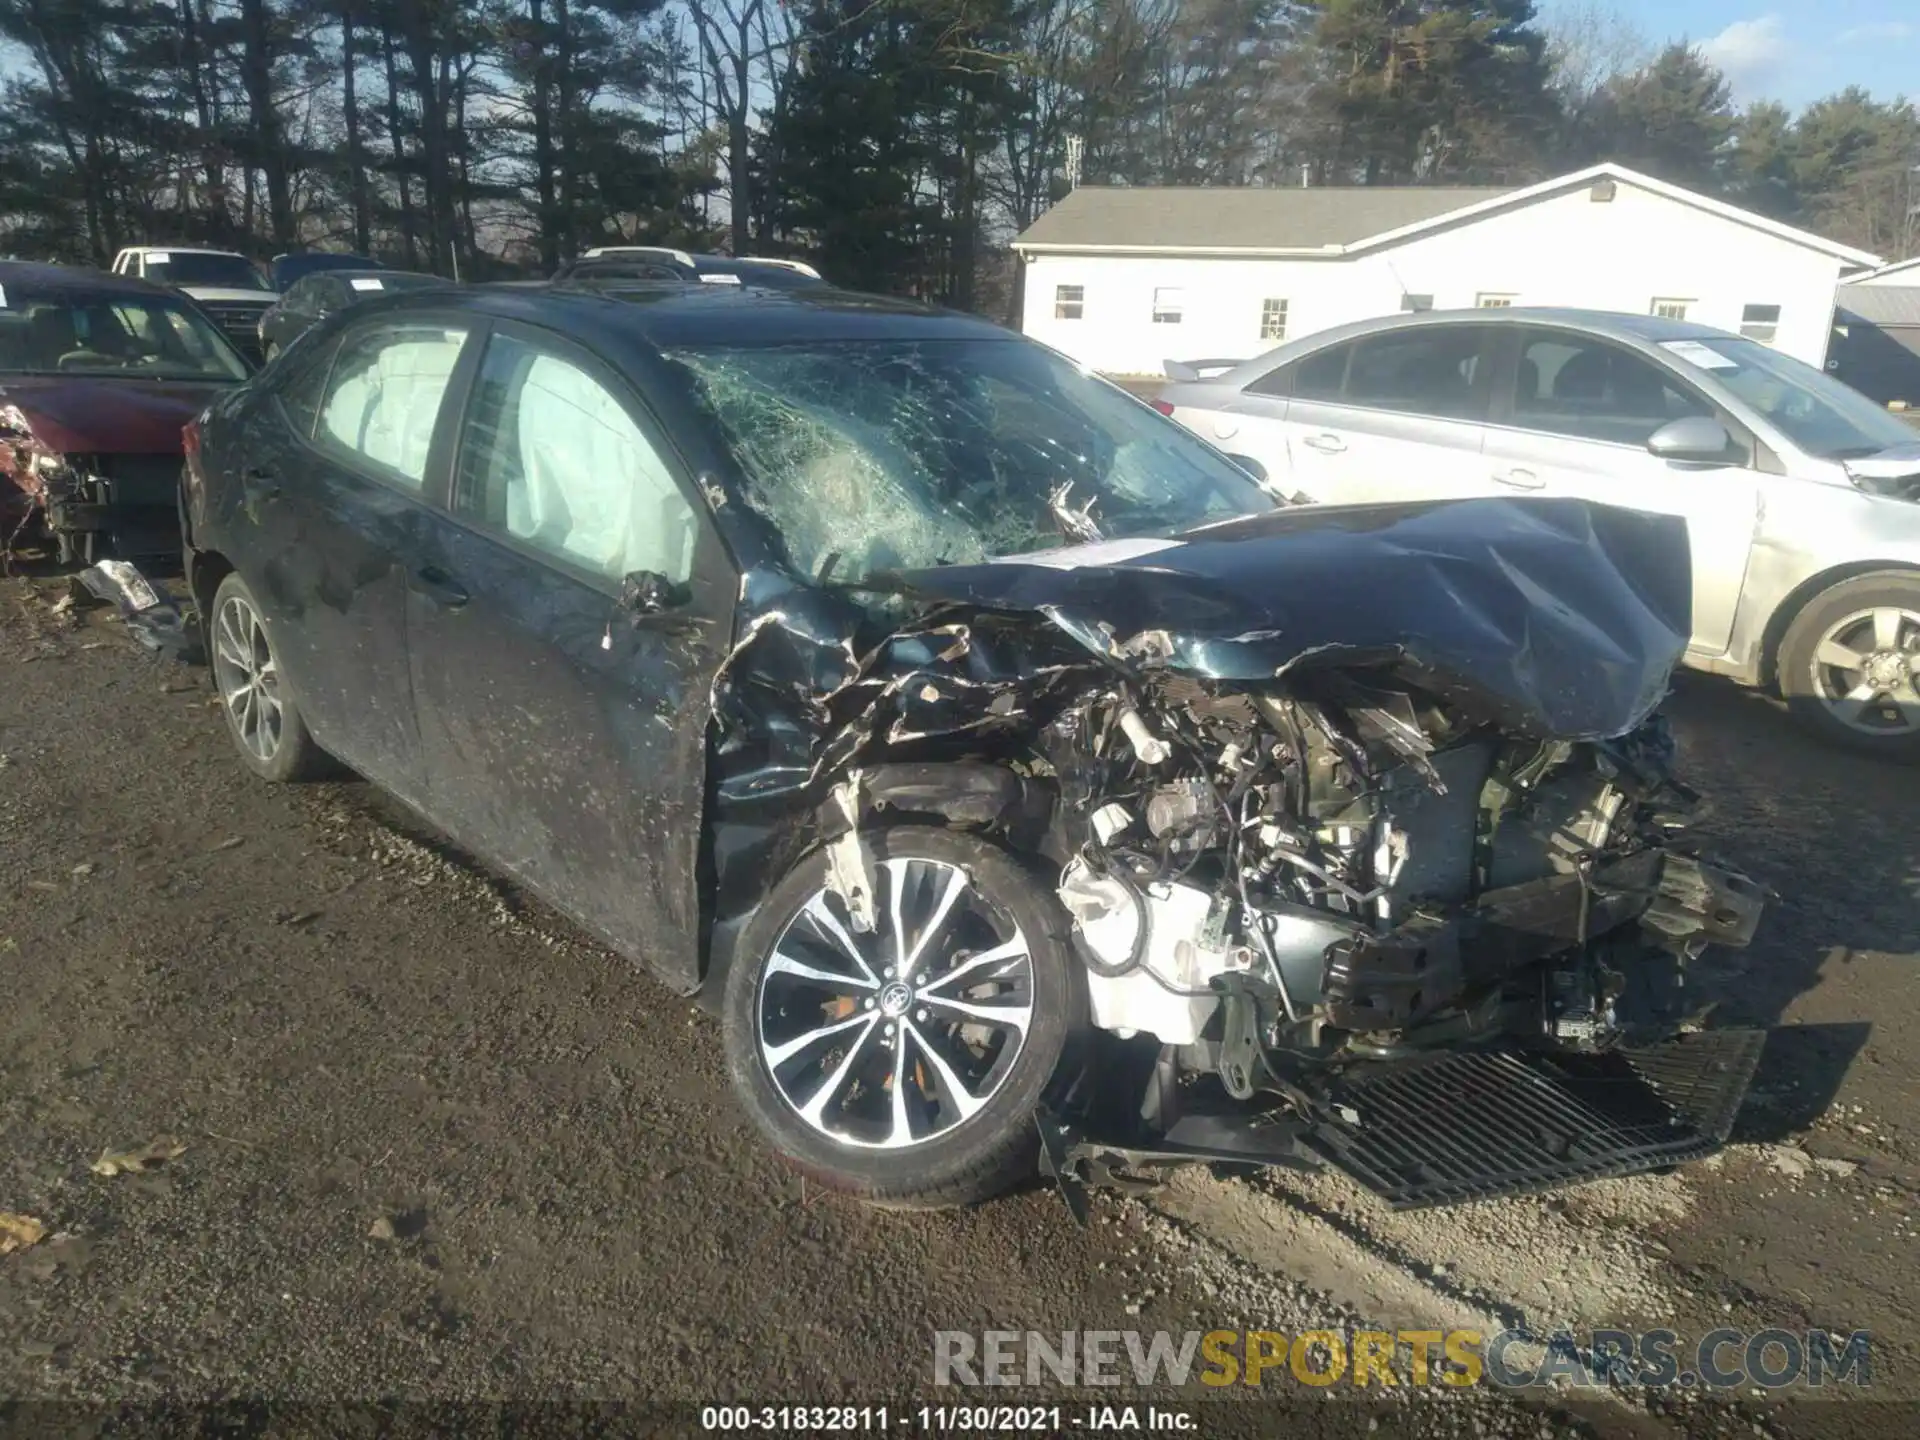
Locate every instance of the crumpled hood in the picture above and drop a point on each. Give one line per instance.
(1554, 618)
(86, 414)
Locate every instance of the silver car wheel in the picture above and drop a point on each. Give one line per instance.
(890, 1039)
(1865, 668)
(249, 680)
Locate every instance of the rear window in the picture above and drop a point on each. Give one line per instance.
(183, 267)
(136, 336)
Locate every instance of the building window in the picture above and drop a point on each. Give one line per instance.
(1273, 319)
(1069, 301)
(1416, 304)
(1488, 300)
(1670, 309)
(1166, 306)
(1760, 322)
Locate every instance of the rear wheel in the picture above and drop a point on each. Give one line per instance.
(261, 714)
(906, 1065)
(1850, 664)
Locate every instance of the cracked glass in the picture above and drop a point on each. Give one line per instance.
(871, 456)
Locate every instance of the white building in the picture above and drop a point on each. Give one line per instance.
(1903, 275)
(1126, 278)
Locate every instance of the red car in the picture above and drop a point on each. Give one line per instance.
(98, 375)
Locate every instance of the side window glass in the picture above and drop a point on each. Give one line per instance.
(299, 385)
(1570, 385)
(383, 396)
(1419, 372)
(551, 458)
(1320, 376)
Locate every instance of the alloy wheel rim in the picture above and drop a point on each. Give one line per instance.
(1865, 670)
(892, 1039)
(249, 679)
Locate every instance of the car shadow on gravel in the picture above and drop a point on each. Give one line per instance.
(1829, 832)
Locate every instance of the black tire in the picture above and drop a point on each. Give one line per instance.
(292, 754)
(1809, 686)
(985, 1152)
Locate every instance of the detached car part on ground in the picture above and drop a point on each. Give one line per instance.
(1018, 780)
(98, 375)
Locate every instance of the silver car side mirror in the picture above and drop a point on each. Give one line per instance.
(1693, 437)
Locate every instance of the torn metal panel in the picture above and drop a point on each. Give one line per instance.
(1549, 617)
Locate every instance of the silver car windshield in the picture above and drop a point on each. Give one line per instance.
(883, 455)
(1815, 411)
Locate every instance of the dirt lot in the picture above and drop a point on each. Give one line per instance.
(438, 1145)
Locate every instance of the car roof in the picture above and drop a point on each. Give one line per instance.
(181, 250)
(1600, 322)
(25, 277)
(1642, 330)
(335, 272)
(665, 315)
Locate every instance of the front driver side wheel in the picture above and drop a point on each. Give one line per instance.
(261, 713)
(905, 1065)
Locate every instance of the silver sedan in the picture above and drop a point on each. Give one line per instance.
(1801, 496)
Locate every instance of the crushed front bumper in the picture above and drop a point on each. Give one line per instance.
(1450, 1127)
(125, 505)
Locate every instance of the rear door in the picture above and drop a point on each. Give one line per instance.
(1572, 416)
(330, 477)
(564, 733)
(1398, 415)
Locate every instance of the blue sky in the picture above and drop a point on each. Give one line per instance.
(1788, 50)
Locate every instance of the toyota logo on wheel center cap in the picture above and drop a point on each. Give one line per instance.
(895, 999)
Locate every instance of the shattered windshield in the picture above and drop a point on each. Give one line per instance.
(878, 455)
(114, 334)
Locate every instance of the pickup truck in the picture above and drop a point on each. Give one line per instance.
(227, 285)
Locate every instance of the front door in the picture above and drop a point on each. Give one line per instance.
(565, 733)
(332, 488)
(1573, 416)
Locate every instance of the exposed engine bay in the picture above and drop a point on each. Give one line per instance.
(1419, 909)
(1335, 865)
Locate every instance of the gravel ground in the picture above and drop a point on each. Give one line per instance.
(439, 1145)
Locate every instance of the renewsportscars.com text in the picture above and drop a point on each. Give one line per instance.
(1718, 1360)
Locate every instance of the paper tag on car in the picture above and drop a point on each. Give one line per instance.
(365, 284)
(1695, 353)
(3, 297)
(719, 279)
(159, 257)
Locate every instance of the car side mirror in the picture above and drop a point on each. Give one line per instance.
(1252, 466)
(1693, 437)
(647, 592)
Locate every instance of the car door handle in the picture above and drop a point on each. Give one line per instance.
(1325, 444)
(439, 587)
(1519, 479)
